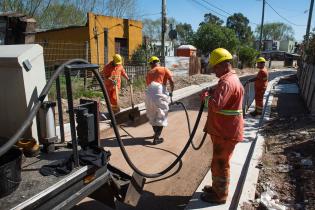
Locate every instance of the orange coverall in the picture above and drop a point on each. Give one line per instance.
(261, 84)
(225, 125)
(111, 72)
(158, 74)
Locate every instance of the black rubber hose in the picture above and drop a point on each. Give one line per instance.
(28, 121)
(121, 144)
(186, 113)
(189, 127)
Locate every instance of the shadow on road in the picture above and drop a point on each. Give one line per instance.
(111, 142)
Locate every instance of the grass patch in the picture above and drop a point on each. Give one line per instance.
(138, 84)
(78, 90)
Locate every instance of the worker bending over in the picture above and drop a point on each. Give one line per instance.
(112, 73)
(157, 97)
(224, 123)
(261, 83)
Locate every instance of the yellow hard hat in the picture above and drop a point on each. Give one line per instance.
(260, 60)
(218, 56)
(153, 58)
(117, 59)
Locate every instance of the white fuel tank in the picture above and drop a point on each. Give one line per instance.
(22, 78)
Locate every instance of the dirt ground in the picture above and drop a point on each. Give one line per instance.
(287, 172)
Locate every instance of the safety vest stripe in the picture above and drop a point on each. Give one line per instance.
(265, 78)
(230, 112)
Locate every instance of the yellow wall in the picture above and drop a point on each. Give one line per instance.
(117, 28)
(61, 45)
(70, 35)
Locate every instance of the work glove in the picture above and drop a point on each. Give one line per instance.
(114, 82)
(130, 82)
(171, 94)
(204, 96)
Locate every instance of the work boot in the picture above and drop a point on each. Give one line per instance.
(255, 113)
(207, 188)
(158, 140)
(212, 197)
(157, 134)
(116, 109)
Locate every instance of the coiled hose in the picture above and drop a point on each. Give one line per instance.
(188, 125)
(43, 95)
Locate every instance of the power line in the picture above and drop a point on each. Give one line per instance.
(218, 9)
(200, 4)
(283, 16)
(149, 14)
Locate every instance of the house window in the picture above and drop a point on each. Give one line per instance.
(121, 47)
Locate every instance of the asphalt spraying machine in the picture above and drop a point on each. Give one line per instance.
(22, 186)
(87, 177)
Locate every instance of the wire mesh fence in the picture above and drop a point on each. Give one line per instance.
(56, 53)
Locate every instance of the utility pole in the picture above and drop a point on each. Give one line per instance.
(309, 22)
(262, 25)
(163, 31)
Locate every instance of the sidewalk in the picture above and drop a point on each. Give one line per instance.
(239, 172)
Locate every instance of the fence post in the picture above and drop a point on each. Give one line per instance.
(86, 58)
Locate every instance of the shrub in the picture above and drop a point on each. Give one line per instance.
(247, 56)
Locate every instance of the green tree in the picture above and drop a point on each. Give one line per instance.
(152, 28)
(51, 13)
(140, 55)
(211, 36)
(247, 56)
(276, 31)
(184, 33)
(240, 24)
(121, 8)
(61, 15)
(210, 18)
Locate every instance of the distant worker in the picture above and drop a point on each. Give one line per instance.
(261, 83)
(112, 73)
(157, 96)
(224, 123)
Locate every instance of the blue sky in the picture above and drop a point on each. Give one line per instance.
(295, 11)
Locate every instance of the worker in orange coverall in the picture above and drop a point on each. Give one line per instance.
(112, 73)
(157, 97)
(224, 123)
(261, 83)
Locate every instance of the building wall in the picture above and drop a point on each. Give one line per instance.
(116, 28)
(56, 42)
(287, 46)
(61, 45)
(67, 35)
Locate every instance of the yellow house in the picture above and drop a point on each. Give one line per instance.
(102, 36)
